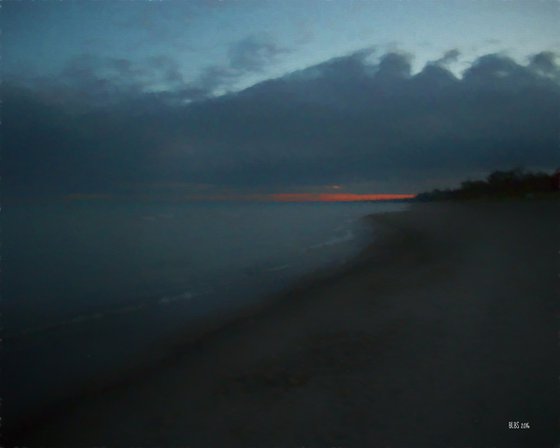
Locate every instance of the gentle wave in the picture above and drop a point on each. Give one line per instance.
(348, 236)
(85, 318)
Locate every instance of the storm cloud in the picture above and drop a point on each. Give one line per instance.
(348, 120)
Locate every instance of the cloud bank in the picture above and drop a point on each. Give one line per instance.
(345, 121)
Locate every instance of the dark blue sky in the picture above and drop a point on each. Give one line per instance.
(175, 98)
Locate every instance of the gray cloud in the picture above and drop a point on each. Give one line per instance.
(216, 76)
(250, 55)
(254, 53)
(345, 121)
(89, 80)
(545, 62)
(449, 56)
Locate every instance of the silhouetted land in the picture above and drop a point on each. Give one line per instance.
(515, 183)
(442, 333)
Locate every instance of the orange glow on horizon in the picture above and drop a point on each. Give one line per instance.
(301, 197)
(336, 197)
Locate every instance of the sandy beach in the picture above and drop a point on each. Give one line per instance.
(444, 332)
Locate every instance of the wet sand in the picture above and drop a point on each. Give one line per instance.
(440, 334)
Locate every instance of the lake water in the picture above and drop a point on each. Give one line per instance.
(89, 290)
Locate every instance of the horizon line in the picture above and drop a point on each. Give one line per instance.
(265, 197)
(302, 197)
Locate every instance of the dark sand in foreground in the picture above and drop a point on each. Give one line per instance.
(445, 330)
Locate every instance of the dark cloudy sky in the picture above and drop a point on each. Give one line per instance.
(246, 97)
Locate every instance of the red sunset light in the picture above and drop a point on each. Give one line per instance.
(336, 197)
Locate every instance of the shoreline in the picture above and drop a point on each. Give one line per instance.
(329, 339)
(209, 327)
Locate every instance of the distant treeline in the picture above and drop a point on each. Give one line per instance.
(500, 184)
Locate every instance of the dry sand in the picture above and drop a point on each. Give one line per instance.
(443, 332)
